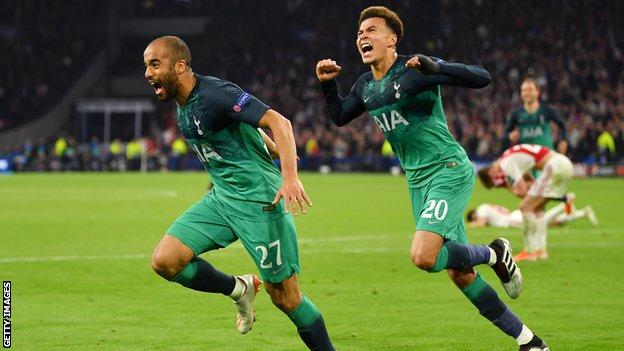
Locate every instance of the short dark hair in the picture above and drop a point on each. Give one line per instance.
(392, 19)
(178, 49)
(471, 215)
(485, 178)
(531, 80)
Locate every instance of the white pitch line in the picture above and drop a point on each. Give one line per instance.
(335, 239)
(71, 258)
(596, 230)
(142, 256)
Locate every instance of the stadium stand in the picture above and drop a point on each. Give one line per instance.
(581, 72)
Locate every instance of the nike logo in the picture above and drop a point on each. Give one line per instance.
(365, 100)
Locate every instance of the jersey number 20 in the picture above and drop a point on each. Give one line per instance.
(439, 209)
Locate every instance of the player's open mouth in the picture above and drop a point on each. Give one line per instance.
(158, 88)
(366, 47)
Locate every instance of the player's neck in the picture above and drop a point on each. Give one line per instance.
(187, 83)
(531, 107)
(382, 67)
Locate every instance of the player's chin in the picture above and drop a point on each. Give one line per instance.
(367, 59)
(163, 96)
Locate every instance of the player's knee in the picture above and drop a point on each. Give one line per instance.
(423, 260)
(285, 302)
(462, 278)
(162, 265)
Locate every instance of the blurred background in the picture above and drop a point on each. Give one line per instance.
(73, 96)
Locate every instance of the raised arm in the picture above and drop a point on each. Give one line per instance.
(438, 72)
(341, 111)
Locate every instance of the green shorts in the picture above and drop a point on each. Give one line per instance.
(271, 242)
(439, 206)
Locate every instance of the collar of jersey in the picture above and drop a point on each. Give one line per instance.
(193, 91)
(392, 68)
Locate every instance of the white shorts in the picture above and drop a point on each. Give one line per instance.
(555, 177)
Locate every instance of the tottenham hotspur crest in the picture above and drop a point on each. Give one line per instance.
(196, 121)
(396, 87)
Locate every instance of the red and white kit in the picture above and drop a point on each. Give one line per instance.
(556, 173)
(499, 216)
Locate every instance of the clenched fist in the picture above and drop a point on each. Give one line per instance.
(423, 63)
(327, 70)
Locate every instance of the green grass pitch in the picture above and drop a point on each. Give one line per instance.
(77, 248)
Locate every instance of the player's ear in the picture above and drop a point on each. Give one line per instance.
(393, 40)
(180, 66)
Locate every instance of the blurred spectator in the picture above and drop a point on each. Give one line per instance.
(606, 146)
(576, 53)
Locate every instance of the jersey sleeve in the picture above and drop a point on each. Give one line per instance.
(233, 103)
(342, 111)
(512, 122)
(556, 117)
(455, 74)
(513, 173)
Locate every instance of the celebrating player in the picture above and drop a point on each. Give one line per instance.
(403, 96)
(531, 123)
(500, 217)
(512, 170)
(219, 121)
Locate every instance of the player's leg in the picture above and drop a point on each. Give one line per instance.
(433, 207)
(490, 306)
(554, 213)
(272, 243)
(175, 261)
(200, 229)
(534, 230)
(445, 246)
(440, 241)
(553, 184)
(431, 253)
(585, 212)
(302, 312)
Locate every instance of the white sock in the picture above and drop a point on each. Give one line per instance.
(529, 231)
(576, 214)
(493, 257)
(239, 288)
(540, 232)
(525, 336)
(552, 214)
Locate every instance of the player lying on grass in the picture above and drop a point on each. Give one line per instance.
(402, 94)
(219, 121)
(501, 217)
(512, 171)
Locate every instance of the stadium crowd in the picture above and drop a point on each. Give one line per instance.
(42, 48)
(577, 59)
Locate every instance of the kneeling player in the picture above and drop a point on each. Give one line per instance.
(219, 121)
(511, 170)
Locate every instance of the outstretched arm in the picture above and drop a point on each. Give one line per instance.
(292, 189)
(341, 111)
(438, 72)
